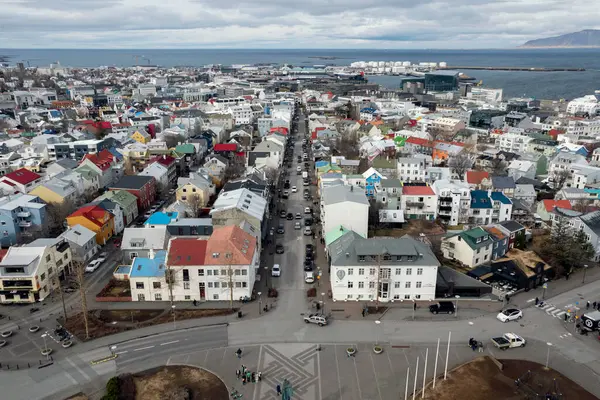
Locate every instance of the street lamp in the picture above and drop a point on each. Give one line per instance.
(323, 302)
(456, 308)
(45, 346)
(259, 303)
(548, 354)
(173, 308)
(414, 308)
(377, 336)
(585, 267)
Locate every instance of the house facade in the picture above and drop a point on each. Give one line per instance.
(142, 187)
(471, 248)
(344, 206)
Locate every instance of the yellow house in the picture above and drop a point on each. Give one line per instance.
(141, 137)
(96, 219)
(56, 191)
(195, 187)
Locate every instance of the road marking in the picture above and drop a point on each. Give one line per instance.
(549, 309)
(71, 378)
(121, 352)
(166, 343)
(560, 314)
(143, 348)
(86, 376)
(337, 367)
(530, 300)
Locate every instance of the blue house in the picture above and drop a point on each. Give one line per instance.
(161, 218)
(480, 212)
(372, 178)
(500, 246)
(20, 215)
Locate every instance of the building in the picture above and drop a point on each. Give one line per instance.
(139, 242)
(142, 187)
(202, 227)
(82, 242)
(195, 191)
(478, 179)
(96, 219)
(545, 208)
(104, 164)
(127, 202)
(344, 206)
(19, 181)
(447, 125)
(30, 273)
(515, 232)
(59, 191)
(236, 206)
(504, 184)
(472, 247)
(115, 209)
(411, 169)
(383, 269)
(160, 173)
(521, 168)
(586, 105)
(419, 202)
(454, 199)
(441, 81)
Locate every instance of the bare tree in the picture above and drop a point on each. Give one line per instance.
(560, 178)
(582, 205)
(194, 203)
(79, 272)
(57, 213)
(497, 166)
(346, 145)
(374, 217)
(271, 175)
(460, 164)
(227, 281)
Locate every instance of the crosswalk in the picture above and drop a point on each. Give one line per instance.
(553, 310)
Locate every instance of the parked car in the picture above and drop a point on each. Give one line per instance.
(318, 319)
(92, 266)
(310, 247)
(294, 189)
(511, 314)
(308, 221)
(297, 225)
(309, 277)
(290, 216)
(280, 229)
(443, 307)
(279, 249)
(298, 216)
(508, 341)
(308, 265)
(282, 213)
(276, 271)
(307, 231)
(307, 210)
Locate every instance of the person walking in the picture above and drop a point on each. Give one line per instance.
(259, 376)
(195, 303)
(278, 388)
(238, 352)
(243, 369)
(237, 373)
(363, 312)
(593, 305)
(537, 301)
(243, 380)
(587, 305)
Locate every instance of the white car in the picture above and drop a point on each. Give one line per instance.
(276, 271)
(294, 189)
(101, 257)
(298, 169)
(91, 267)
(309, 277)
(510, 314)
(307, 231)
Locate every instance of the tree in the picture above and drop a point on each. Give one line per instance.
(79, 271)
(194, 203)
(56, 214)
(582, 205)
(173, 140)
(227, 282)
(560, 178)
(346, 145)
(497, 166)
(460, 164)
(374, 218)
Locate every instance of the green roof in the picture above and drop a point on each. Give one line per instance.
(121, 197)
(86, 172)
(335, 234)
(186, 148)
(380, 162)
(472, 235)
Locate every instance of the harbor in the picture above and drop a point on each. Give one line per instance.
(531, 69)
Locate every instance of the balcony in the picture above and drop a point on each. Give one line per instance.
(23, 214)
(445, 209)
(446, 199)
(417, 204)
(24, 224)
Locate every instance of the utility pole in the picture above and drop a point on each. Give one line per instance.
(230, 273)
(57, 276)
(378, 282)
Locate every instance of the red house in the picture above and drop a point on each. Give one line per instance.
(142, 187)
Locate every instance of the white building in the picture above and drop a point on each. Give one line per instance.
(413, 168)
(512, 142)
(471, 248)
(585, 127)
(242, 114)
(82, 242)
(454, 200)
(404, 268)
(486, 95)
(419, 202)
(345, 206)
(521, 168)
(584, 105)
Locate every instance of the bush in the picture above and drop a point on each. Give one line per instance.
(112, 389)
(126, 387)
(312, 292)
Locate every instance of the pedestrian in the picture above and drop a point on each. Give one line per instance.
(239, 353)
(363, 312)
(243, 380)
(259, 376)
(507, 299)
(248, 376)
(237, 373)
(243, 369)
(587, 305)
(537, 301)
(414, 306)
(195, 303)
(253, 377)
(278, 388)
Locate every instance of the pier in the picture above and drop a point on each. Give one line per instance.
(530, 69)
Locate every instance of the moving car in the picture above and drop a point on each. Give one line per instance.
(305, 182)
(307, 231)
(290, 216)
(297, 225)
(298, 169)
(308, 222)
(282, 213)
(590, 321)
(307, 210)
(443, 307)
(310, 248)
(309, 277)
(279, 249)
(298, 216)
(318, 319)
(276, 271)
(510, 314)
(508, 341)
(280, 229)
(294, 189)
(91, 267)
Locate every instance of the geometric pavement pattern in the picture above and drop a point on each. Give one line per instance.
(300, 368)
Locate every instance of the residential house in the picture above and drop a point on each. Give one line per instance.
(106, 165)
(411, 169)
(147, 277)
(142, 187)
(382, 269)
(160, 173)
(216, 165)
(501, 207)
(170, 163)
(525, 192)
(480, 212)
(142, 136)
(546, 206)
(231, 208)
(195, 186)
(30, 273)
(19, 181)
(189, 153)
(21, 216)
(504, 184)
(478, 179)
(90, 179)
(82, 242)
(127, 202)
(115, 209)
(344, 206)
(135, 156)
(348, 166)
(59, 191)
(371, 179)
(270, 150)
(521, 168)
(140, 242)
(191, 227)
(96, 219)
(253, 182)
(515, 233)
(419, 202)
(454, 200)
(386, 166)
(388, 192)
(471, 248)
(500, 241)
(522, 212)
(590, 224)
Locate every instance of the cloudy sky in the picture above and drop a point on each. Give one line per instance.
(381, 24)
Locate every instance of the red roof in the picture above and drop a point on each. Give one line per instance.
(549, 204)
(163, 160)
(22, 176)
(3, 253)
(417, 191)
(225, 147)
(279, 129)
(475, 177)
(94, 213)
(186, 251)
(102, 160)
(419, 141)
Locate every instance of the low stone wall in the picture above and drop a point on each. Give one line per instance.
(113, 299)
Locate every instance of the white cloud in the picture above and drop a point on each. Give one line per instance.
(287, 23)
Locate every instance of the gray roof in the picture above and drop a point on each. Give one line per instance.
(592, 220)
(79, 235)
(448, 277)
(67, 163)
(147, 238)
(512, 226)
(353, 163)
(132, 182)
(340, 194)
(392, 182)
(347, 249)
(503, 182)
(192, 222)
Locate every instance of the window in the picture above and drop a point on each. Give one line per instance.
(215, 297)
(244, 272)
(396, 297)
(133, 255)
(201, 272)
(215, 272)
(223, 272)
(48, 258)
(408, 271)
(244, 284)
(387, 257)
(141, 297)
(350, 284)
(224, 285)
(478, 250)
(371, 285)
(361, 271)
(186, 285)
(216, 285)
(419, 271)
(361, 258)
(237, 272)
(384, 273)
(361, 285)
(157, 296)
(371, 271)
(398, 271)
(477, 261)
(407, 285)
(417, 296)
(208, 272)
(397, 285)
(407, 297)
(210, 284)
(418, 284)
(238, 285)
(43, 276)
(156, 285)
(187, 297)
(350, 271)
(139, 285)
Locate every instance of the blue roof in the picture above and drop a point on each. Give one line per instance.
(161, 218)
(480, 199)
(321, 164)
(499, 196)
(113, 150)
(149, 267)
(368, 110)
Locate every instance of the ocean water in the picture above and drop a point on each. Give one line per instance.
(542, 85)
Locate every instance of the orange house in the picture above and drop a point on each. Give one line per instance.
(96, 219)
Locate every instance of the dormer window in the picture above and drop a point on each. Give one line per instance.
(387, 257)
(215, 255)
(362, 258)
(478, 240)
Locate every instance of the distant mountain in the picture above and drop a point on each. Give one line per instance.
(585, 38)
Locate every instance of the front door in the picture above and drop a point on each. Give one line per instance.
(202, 291)
(383, 290)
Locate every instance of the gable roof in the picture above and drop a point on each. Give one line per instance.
(550, 204)
(503, 182)
(230, 245)
(132, 182)
(475, 177)
(341, 193)
(187, 251)
(22, 176)
(149, 267)
(417, 191)
(592, 220)
(473, 235)
(225, 147)
(163, 160)
(242, 199)
(499, 196)
(102, 160)
(94, 213)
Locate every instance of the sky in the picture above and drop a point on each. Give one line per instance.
(378, 24)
